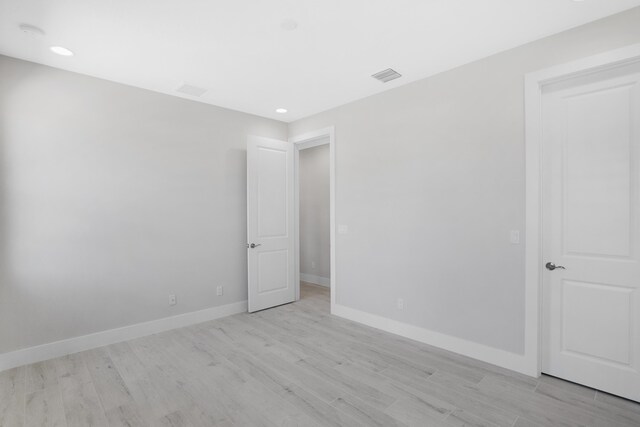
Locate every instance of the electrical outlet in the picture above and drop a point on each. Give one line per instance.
(400, 304)
(343, 229)
(172, 300)
(313, 265)
(219, 290)
(514, 237)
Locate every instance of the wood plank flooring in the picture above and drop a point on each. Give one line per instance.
(294, 365)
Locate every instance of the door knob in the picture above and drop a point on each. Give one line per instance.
(551, 266)
(253, 245)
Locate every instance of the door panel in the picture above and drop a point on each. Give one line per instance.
(272, 192)
(597, 172)
(591, 309)
(584, 305)
(273, 267)
(270, 223)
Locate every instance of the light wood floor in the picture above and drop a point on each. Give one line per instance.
(294, 365)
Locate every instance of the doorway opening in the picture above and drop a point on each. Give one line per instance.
(313, 208)
(315, 214)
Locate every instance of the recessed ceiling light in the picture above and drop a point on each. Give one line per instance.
(61, 50)
(188, 89)
(289, 24)
(31, 30)
(281, 110)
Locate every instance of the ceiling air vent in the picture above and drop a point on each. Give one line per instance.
(386, 75)
(191, 90)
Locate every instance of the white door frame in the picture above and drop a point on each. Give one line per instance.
(534, 83)
(300, 142)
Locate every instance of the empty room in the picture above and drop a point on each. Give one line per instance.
(320, 213)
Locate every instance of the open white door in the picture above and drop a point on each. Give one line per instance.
(592, 230)
(270, 223)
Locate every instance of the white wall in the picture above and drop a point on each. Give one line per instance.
(430, 180)
(314, 214)
(111, 198)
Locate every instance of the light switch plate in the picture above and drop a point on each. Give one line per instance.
(515, 237)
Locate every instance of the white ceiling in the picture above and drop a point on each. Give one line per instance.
(239, 52)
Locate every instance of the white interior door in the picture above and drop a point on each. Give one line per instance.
(270, 223)
(591, 215)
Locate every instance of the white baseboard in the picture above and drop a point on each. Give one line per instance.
(494, 356)
(52, 350)
(316, 280)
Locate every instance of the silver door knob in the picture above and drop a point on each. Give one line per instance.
(551, 266)
(253, 245)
